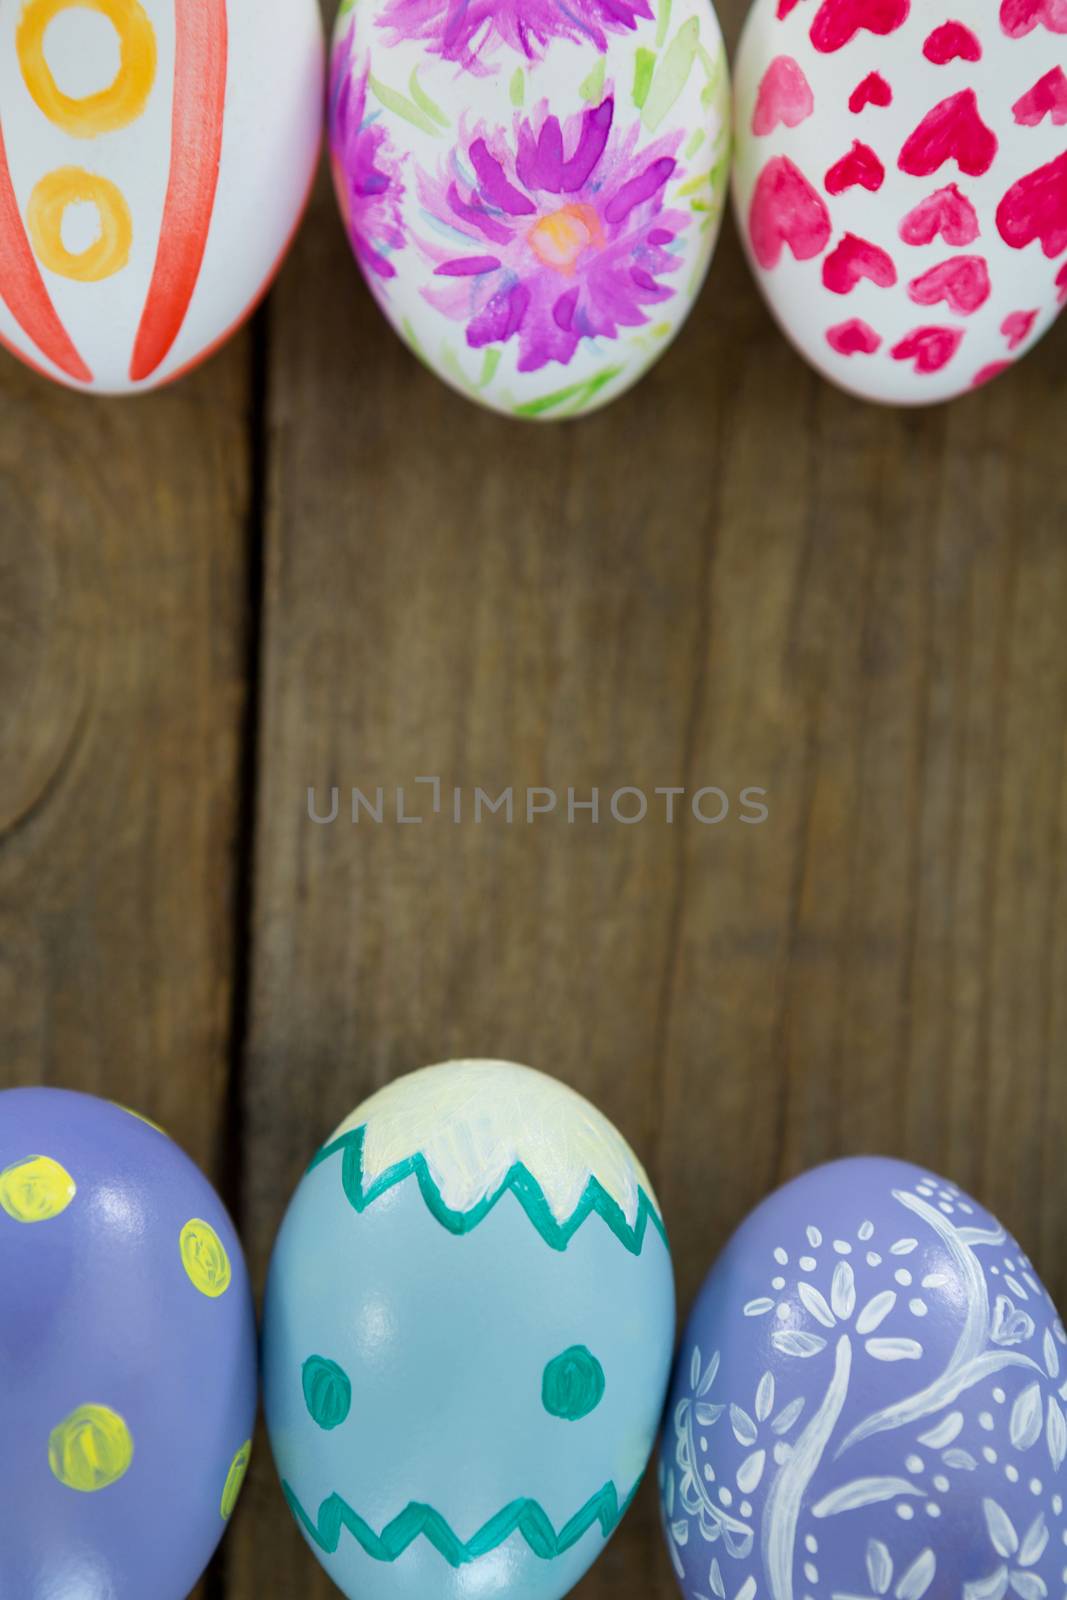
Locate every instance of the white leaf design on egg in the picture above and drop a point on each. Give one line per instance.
(1001, 1529)
(743, 1426)
(875, 1311)
(944, 1433)
(1026, 1418)
(1056, 1433)
(894, 1349)
(794, 1342)
(843, 1291)
(750, 1471)
(918, 1578)
(879, 1566)
(815, 1303)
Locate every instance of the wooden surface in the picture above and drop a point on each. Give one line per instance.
(311, 565)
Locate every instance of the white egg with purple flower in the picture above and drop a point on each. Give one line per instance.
(533, 190)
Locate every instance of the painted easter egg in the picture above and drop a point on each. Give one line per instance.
(901, 184)
(467, 1338)
(127, 1355)
(869, 1400)
(155, 157)
(533, 189)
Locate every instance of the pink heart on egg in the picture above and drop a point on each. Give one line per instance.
(860, 166)
(952, 131)
(929, 348)
(952, 42)
(962, 283)
(873, 91)
(1048, 97)
(786, 210)
(1036, 208)
(853, 338)
(948, 213)
(1016, 328)
(838, 21)
(855, 259)
(1019, 17)
(784, 96)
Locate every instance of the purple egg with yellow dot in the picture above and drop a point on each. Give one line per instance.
(127, 1355)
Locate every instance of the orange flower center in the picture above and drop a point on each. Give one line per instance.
(559, 239)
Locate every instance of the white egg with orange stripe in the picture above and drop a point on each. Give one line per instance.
(155, 158)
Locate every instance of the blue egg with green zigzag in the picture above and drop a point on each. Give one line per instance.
(467, 1338)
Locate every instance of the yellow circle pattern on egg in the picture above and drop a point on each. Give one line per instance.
(235, 1480)
(108, 253)
(123, 101)
(36, 1190)
(204, 1258)
(91, 1449)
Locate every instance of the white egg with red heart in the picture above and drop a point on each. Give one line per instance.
(901, 184)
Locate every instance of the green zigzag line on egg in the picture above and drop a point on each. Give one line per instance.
(519, 1181)
(416, 1521)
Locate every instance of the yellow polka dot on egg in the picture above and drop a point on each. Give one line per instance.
(36, 1190)
(91, 1449)
(235, 1480)
(204, 1258)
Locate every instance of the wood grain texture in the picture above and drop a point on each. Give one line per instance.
(123, 566)
(123, 562)
(735, 576)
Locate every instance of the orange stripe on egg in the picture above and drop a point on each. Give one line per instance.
(23, 288)
(201, 52)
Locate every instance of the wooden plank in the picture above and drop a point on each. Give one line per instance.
(734, 577)
(123, 621)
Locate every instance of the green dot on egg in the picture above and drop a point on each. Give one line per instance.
(573, 1384)
(327, 1392)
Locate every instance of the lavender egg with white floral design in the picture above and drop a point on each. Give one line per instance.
(869, 1400)
(532, 189)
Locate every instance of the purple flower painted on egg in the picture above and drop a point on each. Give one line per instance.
(465, 30)
(366, 171)
(559, 236)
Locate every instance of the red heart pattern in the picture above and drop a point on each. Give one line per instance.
(873, 91)
(952, 131)
(962, 282)
(835, 243)
(1036, 208)
(952, 42)
(1017, 327)
(838, 21)
(948, 213)
(786, 210)
(1048, 98)
(860, 166)
(784, 96)
(1020, 17)
(929, 348)
(854, 259)
(854, 338)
